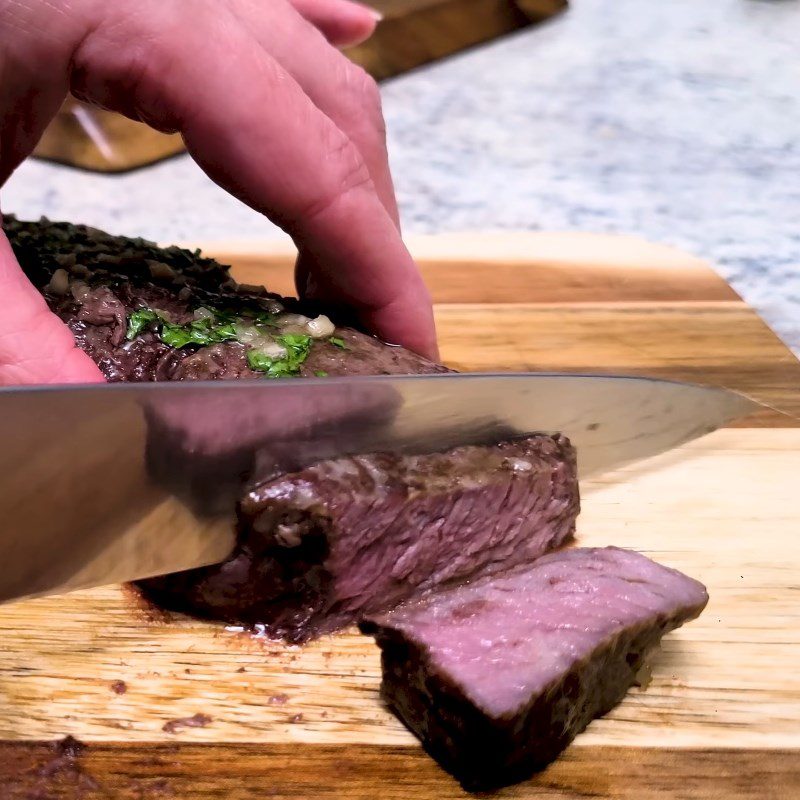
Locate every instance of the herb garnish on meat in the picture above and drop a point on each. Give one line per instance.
(297, 345)
(202, 332)
(139, 321)
(209, 329)
(213, 326)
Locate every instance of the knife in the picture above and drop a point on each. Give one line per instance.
(102, 484)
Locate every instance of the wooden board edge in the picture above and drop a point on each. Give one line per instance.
(557, 247)
(506, 267)
(71, 769)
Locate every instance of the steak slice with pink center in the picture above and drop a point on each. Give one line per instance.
(498, 676)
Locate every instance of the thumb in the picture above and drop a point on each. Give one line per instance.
(35, 345)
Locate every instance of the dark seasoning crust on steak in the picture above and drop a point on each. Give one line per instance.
(102, 279)
(494, 657)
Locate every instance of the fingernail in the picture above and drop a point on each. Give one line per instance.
(374, 13)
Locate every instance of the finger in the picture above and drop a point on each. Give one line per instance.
(346, 94)
(35, 345)
(266, 142)
(33, 79)
(340, 89)
(342, 23)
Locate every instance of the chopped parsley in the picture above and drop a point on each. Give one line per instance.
(220, 325)
(297, 345)
(265, 318)
(224, 315)
(139, 321)
(202, 332)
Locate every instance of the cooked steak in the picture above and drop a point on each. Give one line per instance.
(146, 313)
(497, 676)
(325, 543)
(495, 657)
(350, 536)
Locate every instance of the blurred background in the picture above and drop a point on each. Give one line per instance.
(677, 122)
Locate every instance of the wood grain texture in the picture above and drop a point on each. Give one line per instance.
(518, 268)
(711, 343)
(254, 772)
(721, 718)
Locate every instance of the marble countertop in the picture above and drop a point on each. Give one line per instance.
(678, 122)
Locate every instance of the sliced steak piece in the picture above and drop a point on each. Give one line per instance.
(498, 676)
(321, 547)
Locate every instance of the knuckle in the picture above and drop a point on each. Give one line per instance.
(367, 89)
(360, 91)
(127, 60)
(359, 109)
(346, 172)
(131, 58)
(140, 78)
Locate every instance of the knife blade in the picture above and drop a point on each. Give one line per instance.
(108, 483)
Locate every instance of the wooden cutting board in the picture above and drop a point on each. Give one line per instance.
(721, 718)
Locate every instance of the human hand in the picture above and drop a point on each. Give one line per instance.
(266, 105)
